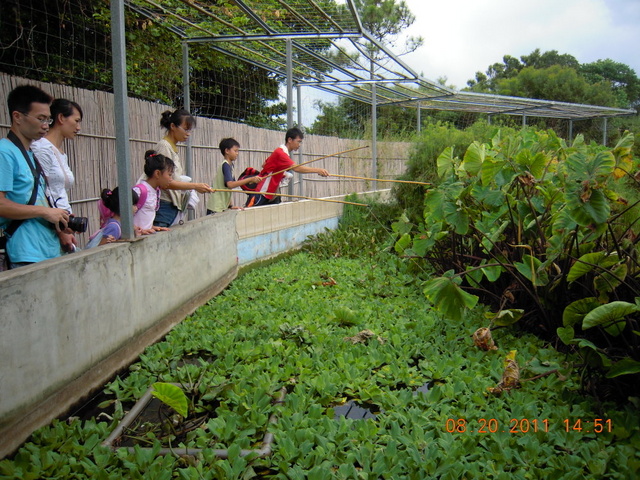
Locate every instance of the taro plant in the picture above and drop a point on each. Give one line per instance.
(539, 230)
(172, 396)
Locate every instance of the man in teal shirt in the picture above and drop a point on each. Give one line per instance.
(38, 224)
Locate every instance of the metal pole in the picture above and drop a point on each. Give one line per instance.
(488, 119)
(419, 119)
(604, 131)
(290, 95)
(186, 93)
(299, 107)
(289, 83)
(374, 128)
(524, 121)
(570, 131)
(121, 114)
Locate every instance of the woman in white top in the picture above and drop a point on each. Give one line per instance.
(49, 151)
(178, 126)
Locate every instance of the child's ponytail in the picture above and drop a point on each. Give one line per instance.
(156, 161)
(109, 204)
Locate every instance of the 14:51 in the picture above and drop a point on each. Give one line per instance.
(597, 425)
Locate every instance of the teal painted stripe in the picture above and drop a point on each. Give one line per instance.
(269, 244)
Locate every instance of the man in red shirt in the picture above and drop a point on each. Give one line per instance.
(279, 161)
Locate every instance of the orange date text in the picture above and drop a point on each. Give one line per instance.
(492, 425)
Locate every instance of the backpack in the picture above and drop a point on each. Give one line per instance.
(142, 197)
(249, 172)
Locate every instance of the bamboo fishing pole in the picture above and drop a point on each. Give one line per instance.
(287, 195)
(379, 179)
(316, 159)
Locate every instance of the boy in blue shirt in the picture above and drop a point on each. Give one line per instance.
(221, 201)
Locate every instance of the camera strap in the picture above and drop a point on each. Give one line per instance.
(36, 170)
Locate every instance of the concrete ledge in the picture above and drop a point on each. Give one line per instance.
(268, 231)
(70, 323)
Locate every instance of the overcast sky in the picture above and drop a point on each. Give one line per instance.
(462, 37)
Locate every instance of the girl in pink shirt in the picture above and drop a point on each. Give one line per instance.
(158, 170)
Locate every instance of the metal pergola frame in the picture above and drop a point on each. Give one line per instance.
(326, 48)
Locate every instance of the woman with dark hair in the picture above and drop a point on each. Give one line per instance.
(49, 150)
(178, 125)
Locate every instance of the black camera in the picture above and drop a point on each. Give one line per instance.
(77, 224)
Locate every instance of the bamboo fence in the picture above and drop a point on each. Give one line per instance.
(92, 154)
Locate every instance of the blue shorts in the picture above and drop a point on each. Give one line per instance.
(166, 214)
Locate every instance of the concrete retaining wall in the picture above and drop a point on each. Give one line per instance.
(68, 324)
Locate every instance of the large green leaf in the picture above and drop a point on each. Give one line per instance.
(602, 165)
(624, 156)
(456, 217)
(473, 158)
(626, 366)
(566, 334)
(402, 226)
(533, 163)
(539, 164)
(588, 262)
(445, 162)
(575, 164)
(490, 169)
(583, 167)
(595, 210)
(493, 273)
(530, 268)
(610, 316)
(473, 276)
(172, 396)
(488, 195)
(563, 223)
(433, 201)
(609, 280)
(576, 311)
(403, 242)
(492, 228)
(447, 296)
(421, 244)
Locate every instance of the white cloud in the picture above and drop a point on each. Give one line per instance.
(466, 36)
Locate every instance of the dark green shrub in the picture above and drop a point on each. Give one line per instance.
(539, 230)
(421, 167)
(362, 231)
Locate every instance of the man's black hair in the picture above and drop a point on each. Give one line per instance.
(21, 98)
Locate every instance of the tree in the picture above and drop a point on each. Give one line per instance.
(622, 78)
(591, 83)
(511, 66)
(547, 59)
(386, 20)
(558, 83)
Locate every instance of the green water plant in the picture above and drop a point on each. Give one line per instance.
(426, 384)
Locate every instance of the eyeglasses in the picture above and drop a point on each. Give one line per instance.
(42, 120)
(187, 130)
